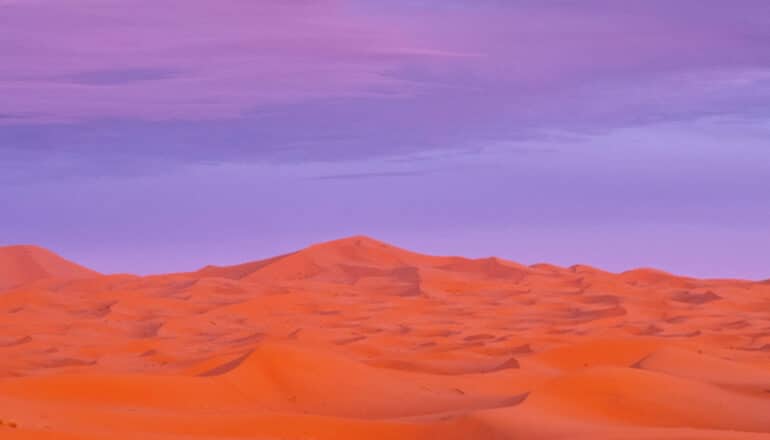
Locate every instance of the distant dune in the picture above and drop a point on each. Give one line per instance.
(24, 264)
(358, 339)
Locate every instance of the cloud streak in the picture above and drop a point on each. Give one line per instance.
(371, 175)
(80, 60)
(77, 60)
(192, 81)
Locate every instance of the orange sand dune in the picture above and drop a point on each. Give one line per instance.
(24, 264)
(357, 339)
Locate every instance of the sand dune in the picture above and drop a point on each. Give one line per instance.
(24, 264)
(357, 339)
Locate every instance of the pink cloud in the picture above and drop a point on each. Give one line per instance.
(212, 59)
(72, 60)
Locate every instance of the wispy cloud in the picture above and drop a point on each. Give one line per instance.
(337, 80)
(216, 59)
(112, 77)
(198, 60)
(371, 175)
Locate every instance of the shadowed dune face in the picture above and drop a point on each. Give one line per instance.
(359, 339)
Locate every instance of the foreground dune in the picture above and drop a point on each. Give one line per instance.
(356, 339)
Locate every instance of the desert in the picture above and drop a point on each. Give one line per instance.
(358, 339)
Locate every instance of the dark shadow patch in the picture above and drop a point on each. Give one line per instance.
(66, 362)
(227, 366)
(98, 312)
(249, 339)
(695, 298)
(683, 335)
(240, 271)
(765, 348)
(491, 268)
(515, 400)
(676, 319)
(734, 325)
(13, 343)
(146, 330)
(591, 315)
(346, 341)
(479, 337)
(522, 349)
(640, 363)
(510, 364)
(601, 299)
(650, 330)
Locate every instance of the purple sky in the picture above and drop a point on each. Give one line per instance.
(159, 135)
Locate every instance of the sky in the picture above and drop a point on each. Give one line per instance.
(151, 136)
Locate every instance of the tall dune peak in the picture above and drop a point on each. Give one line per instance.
(21, 264)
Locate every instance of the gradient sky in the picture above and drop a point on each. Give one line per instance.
(151, 136)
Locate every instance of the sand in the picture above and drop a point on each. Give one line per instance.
(357, 339)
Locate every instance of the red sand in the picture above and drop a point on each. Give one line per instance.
(356, 339)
